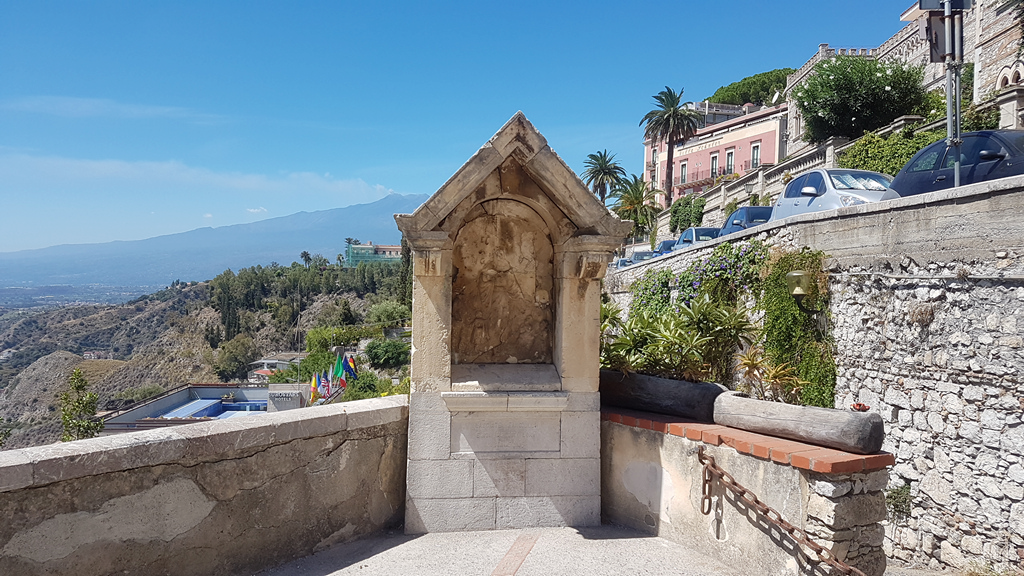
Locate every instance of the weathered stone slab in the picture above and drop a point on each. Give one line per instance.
(550, 511)
(499, 377)
(440, 479)
(502, 286)
(563, 477)
(505, 432)
(499, 477)
(449, 515)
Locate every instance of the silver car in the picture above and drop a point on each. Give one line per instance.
(823, 189)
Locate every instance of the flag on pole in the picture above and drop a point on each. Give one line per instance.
(312, 389)
(339, 372)
(350, 367)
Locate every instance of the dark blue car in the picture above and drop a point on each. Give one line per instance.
(985, 155)
(746, 217)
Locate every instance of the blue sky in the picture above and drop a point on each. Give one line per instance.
(124, 120)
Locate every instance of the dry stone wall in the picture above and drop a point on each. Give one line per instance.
(928, 320)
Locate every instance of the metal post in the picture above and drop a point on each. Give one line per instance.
(958, 66)
(947, 22)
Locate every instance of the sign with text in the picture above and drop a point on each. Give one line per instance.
(938, 5)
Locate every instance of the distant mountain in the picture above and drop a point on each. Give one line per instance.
(206, 252)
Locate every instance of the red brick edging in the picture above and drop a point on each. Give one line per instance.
(789, 452)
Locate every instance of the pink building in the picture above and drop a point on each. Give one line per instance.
(736, 146)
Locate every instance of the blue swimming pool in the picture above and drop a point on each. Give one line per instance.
(216, 408)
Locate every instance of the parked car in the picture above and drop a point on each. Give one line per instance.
(823, 189)
(641, 255)
(985, 155)
(664, 247)
(746, 217)
(623, 263)
(691, 236)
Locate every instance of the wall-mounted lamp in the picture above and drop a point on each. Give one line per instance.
(799, 284)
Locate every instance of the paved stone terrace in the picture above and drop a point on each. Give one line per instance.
(601, 551)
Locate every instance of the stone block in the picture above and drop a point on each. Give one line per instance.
(504, 378)
(499, 478)
(581, 435)
(831, 488)
(475, 401)
(429, 427)
(847, 511)
(581, 384)
(534, 512)
(563, 477)
(583, 402)
(376, 411)
(67, 460)
(935, 486)
(449, 515)
(15, 470)
(440, 479)
(537, 401)
(505, 432)
(578, 329)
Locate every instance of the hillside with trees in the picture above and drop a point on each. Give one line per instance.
(196, 333)
(758, 89)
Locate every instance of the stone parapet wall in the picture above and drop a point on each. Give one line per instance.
(221, 497)
(651, 480)
(927, 315)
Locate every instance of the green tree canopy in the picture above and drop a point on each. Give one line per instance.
(384, 353)
(758, 89)
(848, 95)
(671, 122)
(686, 212)
(634, 200)
(234, 356)
(388, 313)
(78, 409)
(602, 173)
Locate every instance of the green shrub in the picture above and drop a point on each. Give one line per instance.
(322, 339)
(848, 95)
(384, 353)
(887, 154)
(388, 314)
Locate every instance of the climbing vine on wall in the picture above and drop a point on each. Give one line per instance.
(730, 270)
(792, 337)
(652, 292)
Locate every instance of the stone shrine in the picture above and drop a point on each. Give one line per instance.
(504, 413)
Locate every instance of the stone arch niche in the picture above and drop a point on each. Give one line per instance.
(502, 286)
(504, 413)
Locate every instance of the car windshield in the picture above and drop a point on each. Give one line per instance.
(842, 180)
(638, 256)
(760, 215)
(705, 234)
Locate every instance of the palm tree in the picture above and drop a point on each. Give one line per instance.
(634, 200)
(306, 258)
(603, 173)
(672, 122)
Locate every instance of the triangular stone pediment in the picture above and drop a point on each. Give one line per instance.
(516, 163)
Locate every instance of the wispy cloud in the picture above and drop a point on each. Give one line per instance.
(207, 215)
(259, 210)
(74, 107)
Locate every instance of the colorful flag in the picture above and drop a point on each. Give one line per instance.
(312, 390)
(339, 372)
(350, 367)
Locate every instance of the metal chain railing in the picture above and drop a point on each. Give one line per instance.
(712, 471)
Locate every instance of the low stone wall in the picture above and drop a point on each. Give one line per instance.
(221, 497)
(927, 315)
(651, 480)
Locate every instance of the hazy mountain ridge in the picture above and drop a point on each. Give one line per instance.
(203, 253)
